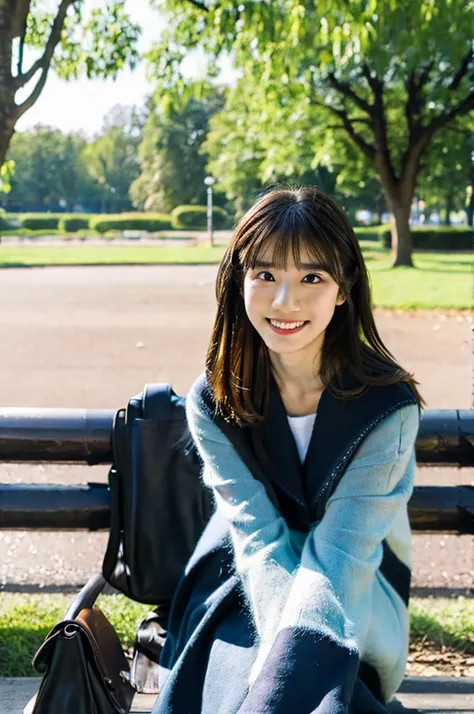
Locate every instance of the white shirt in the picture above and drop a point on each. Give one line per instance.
(302, 428)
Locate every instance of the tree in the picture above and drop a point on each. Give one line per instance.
(65, 40)
(49, 172)
(447, 168)
(389, 75)
(112, 158)
(173, 161)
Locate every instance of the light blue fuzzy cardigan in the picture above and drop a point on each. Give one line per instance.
(327, 580)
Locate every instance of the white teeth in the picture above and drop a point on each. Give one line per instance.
(286, 325)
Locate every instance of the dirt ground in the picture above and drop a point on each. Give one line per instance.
(92, 337)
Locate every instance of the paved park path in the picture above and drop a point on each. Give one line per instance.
(440, 695)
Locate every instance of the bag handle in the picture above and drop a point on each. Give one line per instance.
(87, 596)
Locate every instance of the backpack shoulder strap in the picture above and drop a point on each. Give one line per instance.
(157, 401)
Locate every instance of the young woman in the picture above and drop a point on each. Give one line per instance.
(295, 599)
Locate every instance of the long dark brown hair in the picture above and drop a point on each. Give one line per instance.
(238, 365)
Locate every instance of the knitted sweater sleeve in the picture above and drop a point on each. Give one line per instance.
(264, 555)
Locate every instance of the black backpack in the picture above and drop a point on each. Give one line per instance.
(159, 505)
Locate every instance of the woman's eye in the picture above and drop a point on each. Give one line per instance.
(266, 274)
(312, 278)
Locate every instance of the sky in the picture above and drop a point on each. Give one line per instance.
(81, 104)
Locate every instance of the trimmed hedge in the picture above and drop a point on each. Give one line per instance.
(72, 224)
(40, 221)
(424, 237)
(368, 232)
(195, 218)
(131, 221)
(432, 238)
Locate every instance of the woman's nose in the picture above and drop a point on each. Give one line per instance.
(285, 298)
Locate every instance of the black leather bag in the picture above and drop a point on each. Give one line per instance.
(159, 506)
(84, 668)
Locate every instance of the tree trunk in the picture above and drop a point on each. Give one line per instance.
(448, 209)
(470, 211)
(7, 129)
(402, 245)
(399, 193)
(7, 91)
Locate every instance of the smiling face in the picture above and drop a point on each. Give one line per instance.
(290, 308)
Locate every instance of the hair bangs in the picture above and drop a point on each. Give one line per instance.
(293, 233)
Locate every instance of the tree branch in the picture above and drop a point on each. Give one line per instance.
(45, 61)
(463, 107)
(346, 90)
(468, 58)
(357, 138)
(22, 19)
(374, 82)
(383, 160)
(22, 79)
(415, 151)
(199, 5)
(414, 104)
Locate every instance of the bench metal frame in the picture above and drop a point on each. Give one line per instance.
(83, 436)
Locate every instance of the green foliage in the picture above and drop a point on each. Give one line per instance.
(73, 223)
(7, 170)
(172, 158)
(98, 44)
(40, 221)
(385, 76)
(195, 218)
(447, 169)
(3, 219)
(132, 221)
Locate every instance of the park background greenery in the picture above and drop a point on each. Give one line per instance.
(373, 103)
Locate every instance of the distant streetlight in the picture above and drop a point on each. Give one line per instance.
(209, 181)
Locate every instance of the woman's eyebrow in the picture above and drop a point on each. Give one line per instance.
(304, 266)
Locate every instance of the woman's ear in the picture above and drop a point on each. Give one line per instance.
(341, 298)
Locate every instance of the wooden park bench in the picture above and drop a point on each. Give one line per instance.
(83, 436)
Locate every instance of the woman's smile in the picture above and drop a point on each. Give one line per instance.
(284, 327)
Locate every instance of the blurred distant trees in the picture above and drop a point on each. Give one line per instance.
(56, 171)
(49, 170)
(112, 158)
(173, 163)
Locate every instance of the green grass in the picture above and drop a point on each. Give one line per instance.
(443, 621)
(106, 255)
(438, 280)
(25, 620)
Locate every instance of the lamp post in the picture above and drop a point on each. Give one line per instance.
(209, 181)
